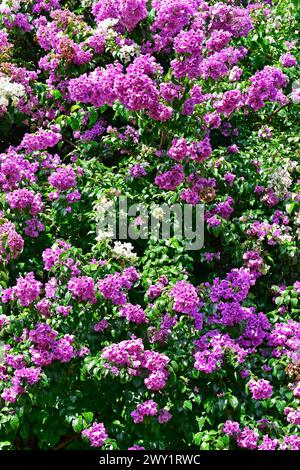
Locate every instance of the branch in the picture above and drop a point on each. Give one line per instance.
(69, 142)
(279, 109)
(65, 442)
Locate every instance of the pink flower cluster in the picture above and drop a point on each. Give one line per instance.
(22, 199)
(260, 389)
(185, 297)
(211, 349)
(82, 288)
(14, 169)
(134, 314)
(27, 290)
(150, 408)
(248, 438)
(46, 347)
(128, 12)
(96, 434)
(132, 355)
(113, 287)
(42, 140)
(11, 242)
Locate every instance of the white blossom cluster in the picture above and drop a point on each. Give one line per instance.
(124, 251)
(106, 28)
(9, 92)
(295, 94)
(10, 5)
(128, 52)
(101, 208)
(281, 180)
(297, 224)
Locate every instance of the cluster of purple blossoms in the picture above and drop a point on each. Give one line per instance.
(46, 347)
(266, 85)
(231, 428)
(128, 353)
(137, 89)
(229, 178)
(169, 91)
(291, 442)
(42, 140)
(22, 199)
(272, 233)
(96, 434)
(112, 287)
(43, 306)
(268, 443)
(33, 227)
(21, 375)
(161, 334)
(292, 415)
(150, 408)
(147, 408)
(197, 151)
(211, 348)
(248, 438)
(27, 290)
(63, 178)
(134, 314)
(11, 242)
(230, 101)
(260, 389)
(197, 97)
(185, 297)
(98, 88)
(82, 288)
(137, 171)
(131, 354)
(171, 17)
(285, 338)
(155, 290)
(4, 44)
(254, 262)
(218, 40)
(63, 310)
(17, 20)
(256, 329)
(235, 20)
(200, 189)
(101, 326)
(128, 12)
(288, 60)
(92, 134)
(235, 286)
(170, 179)
(52, 256)
(14, 169)
(218, 64)
(45, 5)
(164, 416)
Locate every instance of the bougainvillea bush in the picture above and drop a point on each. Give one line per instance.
(142, 343)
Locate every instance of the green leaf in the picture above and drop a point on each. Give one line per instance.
(188, 405)
(88, 416)
(14, 422)
(233, 402)
(77, 424)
